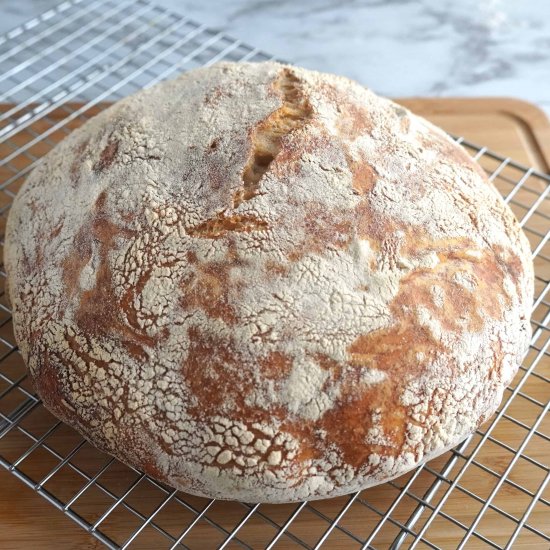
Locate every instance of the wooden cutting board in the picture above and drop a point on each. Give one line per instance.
(509, 127)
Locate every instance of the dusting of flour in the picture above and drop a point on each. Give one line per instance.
(191, 270)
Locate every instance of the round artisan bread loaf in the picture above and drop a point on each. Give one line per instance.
(264, 283)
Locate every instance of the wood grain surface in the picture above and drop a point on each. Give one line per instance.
(509, 127)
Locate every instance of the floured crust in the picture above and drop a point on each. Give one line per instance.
(263, 283)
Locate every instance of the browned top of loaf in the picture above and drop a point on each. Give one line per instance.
(265, 283)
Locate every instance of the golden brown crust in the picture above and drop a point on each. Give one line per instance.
(267, 284)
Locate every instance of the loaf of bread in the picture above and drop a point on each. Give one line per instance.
(263, 283)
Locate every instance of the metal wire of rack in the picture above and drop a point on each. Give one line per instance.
(58, 69)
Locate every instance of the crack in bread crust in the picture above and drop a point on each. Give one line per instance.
(222, 223)
(268, 136)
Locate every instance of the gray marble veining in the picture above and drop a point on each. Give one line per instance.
(396, 47)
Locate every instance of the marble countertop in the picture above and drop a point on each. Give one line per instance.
(396, 47)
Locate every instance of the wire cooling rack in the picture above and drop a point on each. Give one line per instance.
(490, 492)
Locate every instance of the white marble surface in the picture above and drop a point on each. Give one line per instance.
(396, 47)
